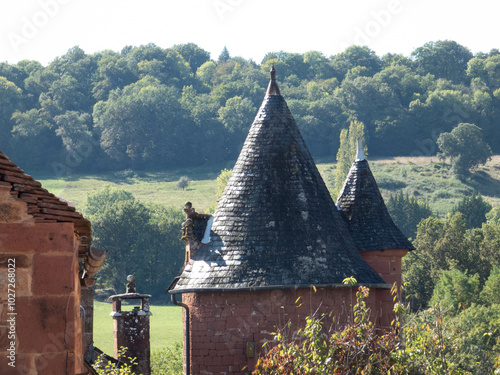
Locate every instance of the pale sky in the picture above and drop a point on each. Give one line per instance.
(44, 29)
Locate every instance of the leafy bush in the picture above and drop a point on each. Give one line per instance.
(183, 182)
(103, 367)
(126, 173)
(493, 216)
(478, 339)
(491, 290)
(429, 342)
(167, 361)
(360, 348)
(456, 290)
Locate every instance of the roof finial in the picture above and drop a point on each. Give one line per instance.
(359, 154)
(273, 89)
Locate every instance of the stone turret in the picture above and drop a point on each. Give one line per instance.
(378, 239)
(276, 236)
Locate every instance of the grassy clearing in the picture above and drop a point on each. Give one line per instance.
(166, 326)
(422, 177)
(148, 187)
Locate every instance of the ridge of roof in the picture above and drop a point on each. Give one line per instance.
(364, 210)
(276, 223)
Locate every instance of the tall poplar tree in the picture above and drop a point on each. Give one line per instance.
(347, 152)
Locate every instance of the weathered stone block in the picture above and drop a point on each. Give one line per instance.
(53, 274)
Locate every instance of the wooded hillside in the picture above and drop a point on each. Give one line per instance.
(150, 107)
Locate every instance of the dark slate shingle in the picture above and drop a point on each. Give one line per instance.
(276, 223)
(366, 214)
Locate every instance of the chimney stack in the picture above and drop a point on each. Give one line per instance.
(131, 328)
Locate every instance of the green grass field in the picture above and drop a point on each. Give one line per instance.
(422, 177)
(166, 326)
(148, 187)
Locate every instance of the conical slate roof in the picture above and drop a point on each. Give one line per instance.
(365, 213)
(276, 224)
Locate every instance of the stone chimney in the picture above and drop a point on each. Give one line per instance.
(131, 328)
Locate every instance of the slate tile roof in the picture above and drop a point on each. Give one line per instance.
(276, 224)
(42, 205)
(365, 212)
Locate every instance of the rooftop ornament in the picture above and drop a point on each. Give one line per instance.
(360, 154)
(130, 284)
(273, 88)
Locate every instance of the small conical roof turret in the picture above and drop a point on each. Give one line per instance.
(365, 212)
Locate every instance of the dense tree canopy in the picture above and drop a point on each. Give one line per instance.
(141, 240)
(153, 107)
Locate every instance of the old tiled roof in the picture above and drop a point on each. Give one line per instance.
(41, 205)
(364, 210)
(275, 224)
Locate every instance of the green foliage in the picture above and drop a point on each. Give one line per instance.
(224, 56)
(490, 295)
(101, 200)
(430, 342)
(183, 182)
(221, 181)
(456, 290)
(135, 108)
(441, 245)
(125, 137)
(478, 339)
(407, 212)
(473, 210)
(123, 367)
(466, 343)
(31, 131)
(192, 54)
(466, 148)
(346, 153)
(237, 115)
(493, 216)
(444, 59)
(357, 349)
(167, 361)
(140, 240)
(10, 101)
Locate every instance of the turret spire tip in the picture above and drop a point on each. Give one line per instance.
(273, 88)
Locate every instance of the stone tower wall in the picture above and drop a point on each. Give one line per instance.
(228, 329)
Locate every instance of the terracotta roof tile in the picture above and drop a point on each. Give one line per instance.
(42, 205)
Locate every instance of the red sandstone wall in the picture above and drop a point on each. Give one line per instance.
(47, 299)
(223, 323)
(387, 263)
